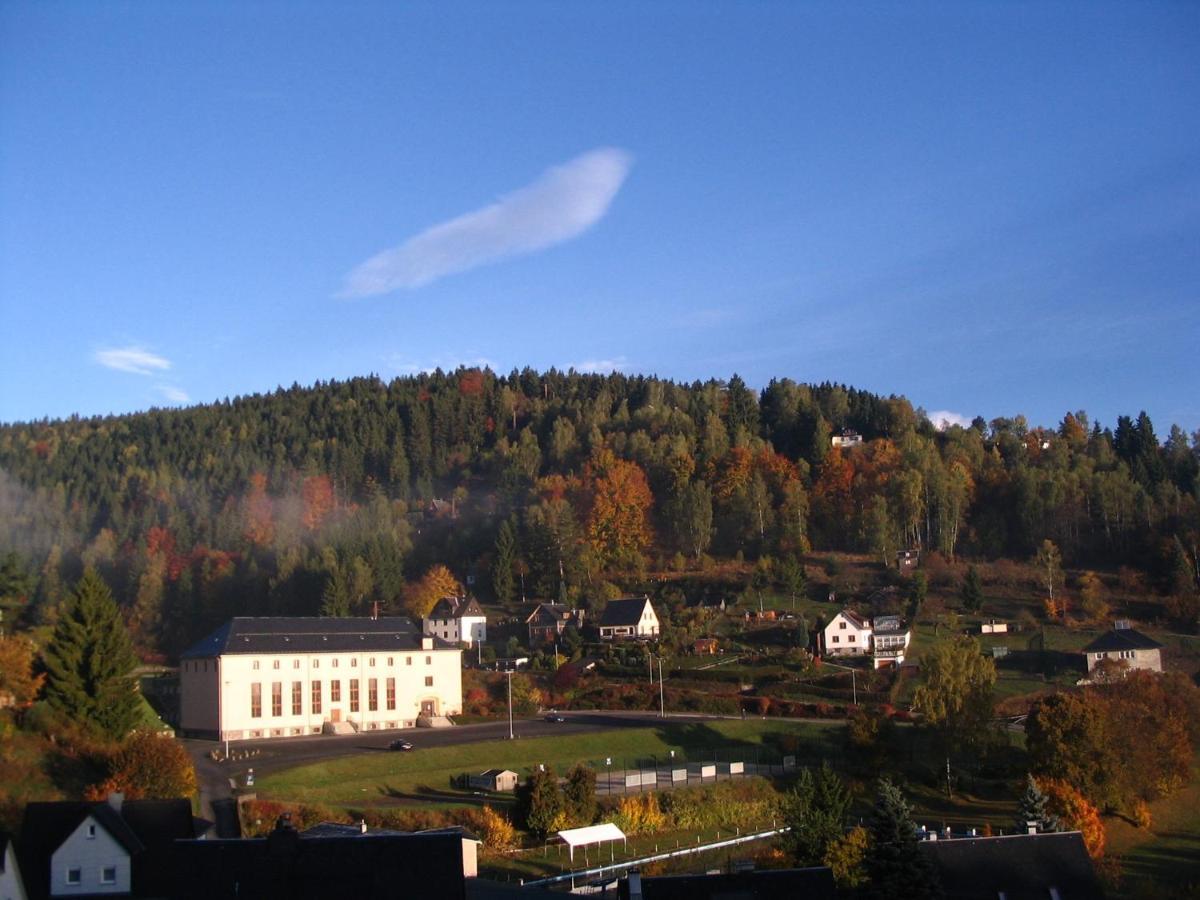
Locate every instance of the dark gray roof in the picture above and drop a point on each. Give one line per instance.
(1020, 865)
(548, 614)
(627, 611)
(4, 842)
(785, 884)
(455, 608)
(1122, 639)
(310, 635)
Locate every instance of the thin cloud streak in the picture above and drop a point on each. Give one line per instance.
(600, 366)
(173, 394)
(563, 203)
(135, 360)
(944, 418)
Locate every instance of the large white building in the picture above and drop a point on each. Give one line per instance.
(280, 677)
(457, 620)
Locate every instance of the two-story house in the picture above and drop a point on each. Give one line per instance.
(457, 620)
(889, 641)
(630, 618)
(548, 621)
(847, 634)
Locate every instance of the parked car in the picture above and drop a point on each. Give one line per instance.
(400, 745)
(555, 717)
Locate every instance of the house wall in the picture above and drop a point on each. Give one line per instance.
(89, 855)
(446, 629)
(844, 646)
(199, 692)
(11, 886)
(1151, 660)
(474, 628)
(231, 695)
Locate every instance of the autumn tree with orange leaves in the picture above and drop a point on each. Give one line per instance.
(421, 595)
(618, 524)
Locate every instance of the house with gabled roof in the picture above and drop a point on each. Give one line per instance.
(1125, 645)
(630, 618)
(291, 676)
(1052, 865)
(847, 634)
(116, 847)
(456, 620)
(11, 885)
(548, 621)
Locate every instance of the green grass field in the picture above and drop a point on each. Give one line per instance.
(424, 776)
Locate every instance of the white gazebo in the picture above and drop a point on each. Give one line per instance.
(592, 834)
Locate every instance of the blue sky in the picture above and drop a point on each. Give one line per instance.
(990, 208)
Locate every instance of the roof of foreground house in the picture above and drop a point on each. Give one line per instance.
(1016, 866)
(626, 611)
(853, 618)
(293, 634)
(1122, 639)
(455, 608)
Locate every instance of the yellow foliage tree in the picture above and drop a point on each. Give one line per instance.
(494, 829)
(1075, 812)
(16, 670)
(640, 813)
(618, 527)
(421, 595)
(845, 856)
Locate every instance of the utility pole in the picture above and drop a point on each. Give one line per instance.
(662, 701)
(510, 727)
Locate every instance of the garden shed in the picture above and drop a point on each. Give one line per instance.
(494, 780)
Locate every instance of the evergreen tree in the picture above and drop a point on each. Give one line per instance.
(896, 865)
(972, 590)
(816, 811)
(540, 802)
(1033, 807)
(792, 577)
(502, 570)
(579, 794)
(89, 661)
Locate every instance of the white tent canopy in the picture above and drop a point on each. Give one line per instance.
(592, 834)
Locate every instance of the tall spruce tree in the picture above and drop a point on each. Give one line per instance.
(1033, 808)
(896, 864)
(502, 569)
(972, 590)
(90, 659)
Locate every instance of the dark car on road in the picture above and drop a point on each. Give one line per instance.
(555, 717)
(400, 745)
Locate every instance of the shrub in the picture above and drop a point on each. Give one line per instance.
(493, 828)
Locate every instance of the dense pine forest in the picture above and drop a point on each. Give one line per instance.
(329, 499)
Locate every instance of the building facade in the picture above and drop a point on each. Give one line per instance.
(847, 634)
(631, 618)
(548, 621)
(282, 677)
(456, 620)
(1125, 645)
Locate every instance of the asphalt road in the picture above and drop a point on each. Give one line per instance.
(274, 754)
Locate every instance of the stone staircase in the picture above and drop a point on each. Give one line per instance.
(339, 728)
(435, 722)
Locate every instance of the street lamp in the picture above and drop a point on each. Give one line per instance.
(510, 727)
(662, 701)
(853, 677)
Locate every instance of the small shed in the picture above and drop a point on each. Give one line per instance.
(706, 645)
(604, 833)
(494, 780)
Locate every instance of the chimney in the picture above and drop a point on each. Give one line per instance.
(116, 800)
(426, 643)
(284, 842)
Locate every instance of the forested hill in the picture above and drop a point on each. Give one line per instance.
(323, 498)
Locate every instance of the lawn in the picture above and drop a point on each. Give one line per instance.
(424, 777)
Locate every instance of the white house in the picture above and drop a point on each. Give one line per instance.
(847, 634)
(11, 886)
(457, 620)
(277, 677)
(630, 618)
(847, 438)
(889, 641)
(885, 640)
(1125, 645)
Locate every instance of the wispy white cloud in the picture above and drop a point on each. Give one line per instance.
(136, 360)
(601, 366)
(405, 365)
(563, 203)
(172, 393)
(944, 418)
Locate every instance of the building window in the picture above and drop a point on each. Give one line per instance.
(408, 660)
(371, 661)
(256, 700)
(295, 663)
(429, 660)
(74, 876)
(391, 693)
(391, 660)
(316, 664)
(275, 665)
(335, 692)
(836, 639)
(254, 665)
(108, 875)
(277, 698)
(428, 681)
(354, 663)
(91, 832)
(335, 663)
(842, 625)
(297, 698)
(316, 697)
(353, 695)
(373, 694)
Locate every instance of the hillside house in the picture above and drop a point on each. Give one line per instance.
(457, 620)
(1126, 645)
(907, 559)
(631, 618)
(548, 621)
(115, 847)
(889, 641)
(847, 634)
(846, 439)
(707, 646)
(281, 677)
